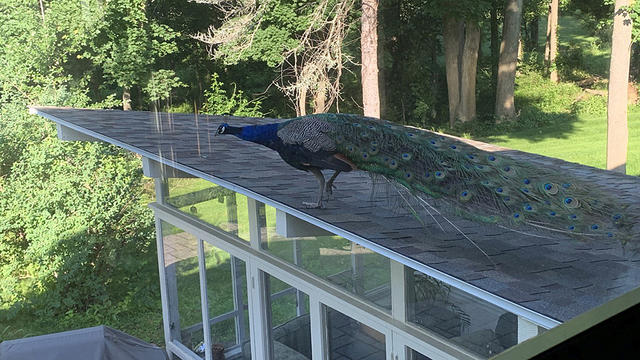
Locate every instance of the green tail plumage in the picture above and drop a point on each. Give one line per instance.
(478, 184)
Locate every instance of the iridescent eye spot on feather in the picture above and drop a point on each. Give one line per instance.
(595, 227)
(371, 127)
(480, 167)
(465, 195)
(499, 190)
(571, 227)
(408, 175)
(393, 164)
(470, 156)
(609, 234)
(525, 190)
(506, 168)
(616, 218)
(506, 199)
(406, 156)
(351, 148)
(373, 150)
(453, 147)
(365, 156)
(526, 181)
(552, 213)
(491, 158)
(439, 175)
(516, 215)
(527, 207)
(550, 188)
(356, 124)
(573, 216)
(571, 202)
(427, 174)
(410, 134)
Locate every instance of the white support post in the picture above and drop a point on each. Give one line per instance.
(318, 318)
(398, 291)
(238, 301)
(164, 298)
(259, 314)
(526, 329)
(297, 260)
(254, 224)
(204, 301)
(357, 268)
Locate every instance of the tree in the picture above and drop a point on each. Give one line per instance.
(369, 50)
(617, 130)
(461, 39)
(304, 39)
(551, 44)
(128, 45)
(505, 105)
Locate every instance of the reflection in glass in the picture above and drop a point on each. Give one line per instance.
(351, 339)
(183, 285)
(414, 355)
(226, 291)
(211, 203)
(463, 319)
(290, 321)
(336, 259)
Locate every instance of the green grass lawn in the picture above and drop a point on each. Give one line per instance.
(583, 142)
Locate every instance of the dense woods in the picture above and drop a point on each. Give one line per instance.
(73, 221)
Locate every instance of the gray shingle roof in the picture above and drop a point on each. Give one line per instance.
(558, 278)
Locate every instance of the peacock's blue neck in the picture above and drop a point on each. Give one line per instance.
(261, 134)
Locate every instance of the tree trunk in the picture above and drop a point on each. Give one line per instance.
(302, 102)
(534, 32)
(320, 99)
(452, 34)
(126, 99)
(617, 130)
(551, 47)
(467, 106)
(495, 45)
(505, 107)
(369, 49)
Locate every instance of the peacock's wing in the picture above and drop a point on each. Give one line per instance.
(478, 184)
(311, 132)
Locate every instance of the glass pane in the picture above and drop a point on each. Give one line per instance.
(183, 285)
(211, 203)
(336, 259)
(463, 319)
(226, 291)
(414, 355)
(290, 321)
(351, 339)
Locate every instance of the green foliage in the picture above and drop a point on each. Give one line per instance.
(161, 83)
(218, 102)
(590, 105)
(72, 226)
(128, 43)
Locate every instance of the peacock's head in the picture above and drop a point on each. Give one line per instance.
(222, 128)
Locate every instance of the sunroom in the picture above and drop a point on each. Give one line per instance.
(248, 272)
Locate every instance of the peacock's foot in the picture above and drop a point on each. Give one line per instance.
(313, 205)
(329, 188)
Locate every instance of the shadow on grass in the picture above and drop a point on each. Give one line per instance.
(532, 123)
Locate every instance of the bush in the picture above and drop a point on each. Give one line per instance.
(74, 232)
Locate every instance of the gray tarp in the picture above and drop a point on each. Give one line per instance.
(96, 343)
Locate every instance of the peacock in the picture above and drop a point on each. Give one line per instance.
(431, 168)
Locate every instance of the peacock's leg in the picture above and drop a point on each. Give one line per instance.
(329, 185)
(320, 177)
